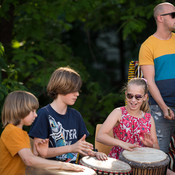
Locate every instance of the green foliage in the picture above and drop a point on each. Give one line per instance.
(1, 51)
(9, 81)
(45, 35)
(8, 78)
(95, 105)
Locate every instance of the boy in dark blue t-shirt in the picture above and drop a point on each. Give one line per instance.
(64, 126)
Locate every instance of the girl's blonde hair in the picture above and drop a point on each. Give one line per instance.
(18, 105)
(140, 82)
(64, 80)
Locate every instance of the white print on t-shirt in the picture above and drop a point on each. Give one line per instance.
(59, 134)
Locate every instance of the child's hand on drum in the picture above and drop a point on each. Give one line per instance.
(72, 167)
(82, 146)
(98, 155)
(41, 147)
(147, 140)
(101, 156)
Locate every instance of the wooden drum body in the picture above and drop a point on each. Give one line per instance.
(146, 161)
(36, 171)
(107, 167)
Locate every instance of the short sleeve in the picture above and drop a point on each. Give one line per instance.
(146, 55)
(15, 140)
(82, 127)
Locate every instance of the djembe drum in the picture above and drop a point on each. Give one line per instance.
(146, 161)
(107, 167)
(38, 171)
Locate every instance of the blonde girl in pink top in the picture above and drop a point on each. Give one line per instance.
(132, 125)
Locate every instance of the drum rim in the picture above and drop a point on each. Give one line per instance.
(144, 165)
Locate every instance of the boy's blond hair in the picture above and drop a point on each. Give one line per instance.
(64, 80)
(18, 105)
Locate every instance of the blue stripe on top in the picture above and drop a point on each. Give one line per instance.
(165, 67)
(165, 78)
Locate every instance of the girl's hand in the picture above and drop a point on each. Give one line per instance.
(147, 140)
(129, 146)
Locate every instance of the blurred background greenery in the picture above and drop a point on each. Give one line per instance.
(97, 38)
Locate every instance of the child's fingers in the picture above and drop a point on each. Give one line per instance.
(43, 141)
(134, 146)
(148, 141)
(101, 156)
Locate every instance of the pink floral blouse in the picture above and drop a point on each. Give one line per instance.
(129, 130)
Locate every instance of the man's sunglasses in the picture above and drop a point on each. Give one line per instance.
(137, 96)
(171, 14)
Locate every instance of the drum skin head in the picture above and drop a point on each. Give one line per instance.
(145, 155)
(145, 160)
(111, 165)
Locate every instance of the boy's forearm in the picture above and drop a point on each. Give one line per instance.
(31, 160)
(56, 151)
